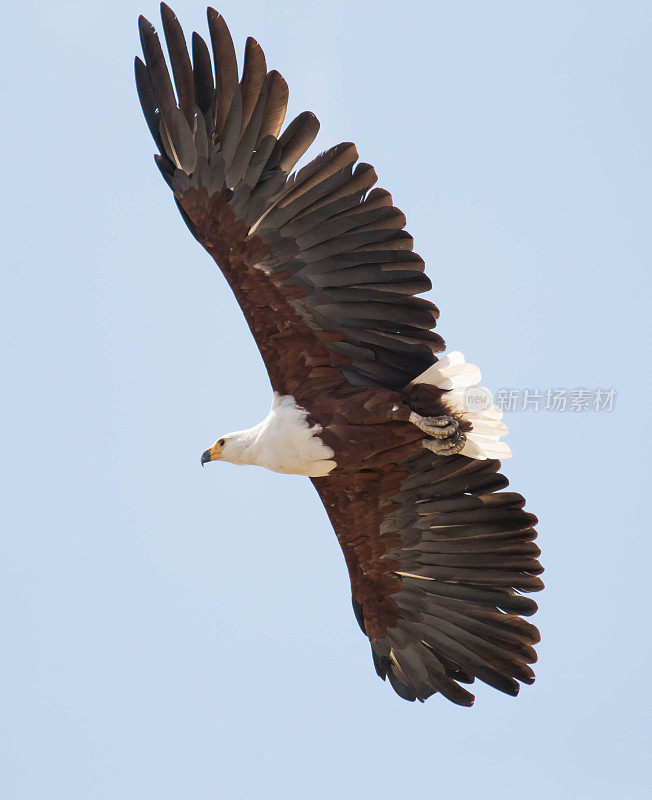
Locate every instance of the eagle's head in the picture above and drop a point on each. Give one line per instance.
(235, 448)
(215, 452)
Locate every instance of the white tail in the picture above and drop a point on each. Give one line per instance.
(453, 374)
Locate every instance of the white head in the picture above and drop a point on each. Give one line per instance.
(234, 448)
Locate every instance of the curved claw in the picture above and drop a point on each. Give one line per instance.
(442, 431)
(446, 447)
(438, 427)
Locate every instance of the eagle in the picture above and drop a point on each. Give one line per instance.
(401, 444)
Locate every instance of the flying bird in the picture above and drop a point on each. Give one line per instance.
(402, 446)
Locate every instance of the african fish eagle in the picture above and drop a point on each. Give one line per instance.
(438, 555)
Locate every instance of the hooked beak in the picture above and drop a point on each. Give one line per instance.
(206, 457)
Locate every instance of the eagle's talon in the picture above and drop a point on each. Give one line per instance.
(443, 431)
(446, 447)
(438, 427)
(446, 437)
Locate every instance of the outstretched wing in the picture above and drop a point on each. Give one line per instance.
(319, 261)
(438, 556)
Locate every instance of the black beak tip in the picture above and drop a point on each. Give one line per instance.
(205, 457)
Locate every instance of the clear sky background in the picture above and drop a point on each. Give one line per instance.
(174, 633)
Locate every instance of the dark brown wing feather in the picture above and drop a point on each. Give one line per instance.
(438, 556)
(298, 358)
(325, 242)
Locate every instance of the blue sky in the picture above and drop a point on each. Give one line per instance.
(171, 632)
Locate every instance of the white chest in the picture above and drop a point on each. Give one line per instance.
(285, 442)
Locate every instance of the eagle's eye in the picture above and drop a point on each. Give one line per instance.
(221, 442)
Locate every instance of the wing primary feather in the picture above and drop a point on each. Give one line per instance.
(275, 108)
(245, 148)
(254, 72)
(226, 68)
(297, 138)
(177, 134)
(180, 61)
(203, 75)
(148, 101)
(230, 135)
